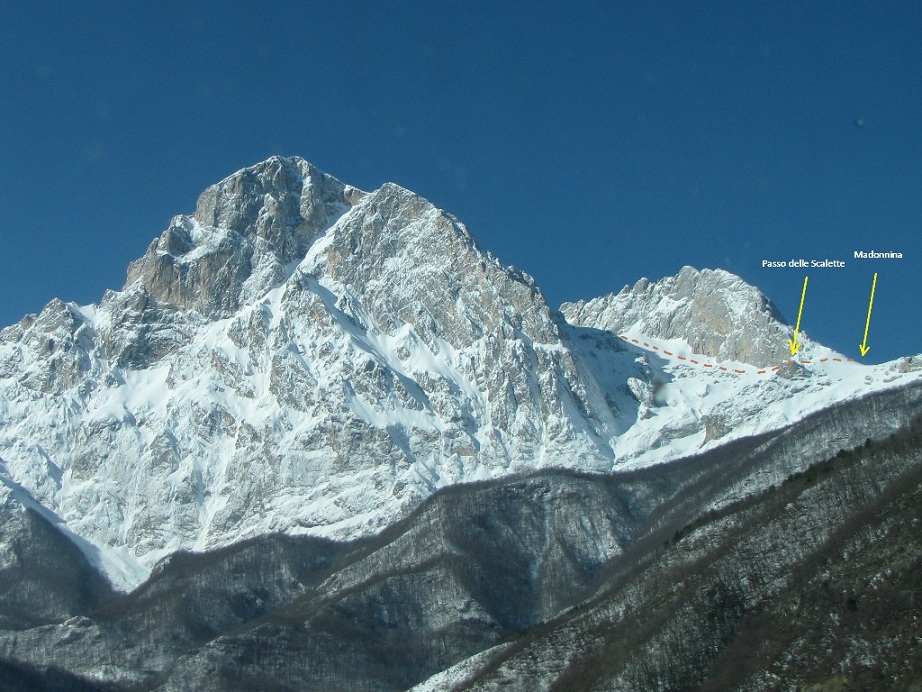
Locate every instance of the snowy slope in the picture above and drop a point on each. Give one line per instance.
(691, 402)
(305, 357)
(715, 312)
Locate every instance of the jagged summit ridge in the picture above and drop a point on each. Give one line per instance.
(245, 232)
(715, 312)
(297, 356)
(301, 356)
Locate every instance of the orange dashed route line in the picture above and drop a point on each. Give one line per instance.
(739, 371)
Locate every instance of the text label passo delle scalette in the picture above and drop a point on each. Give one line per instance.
(803, 263)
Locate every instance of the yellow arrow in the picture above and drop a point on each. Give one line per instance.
(795, 346)
(864, 344)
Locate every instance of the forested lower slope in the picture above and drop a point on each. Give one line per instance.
(772, 562)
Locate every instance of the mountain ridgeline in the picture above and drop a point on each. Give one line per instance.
(322, 440)
(553, 580)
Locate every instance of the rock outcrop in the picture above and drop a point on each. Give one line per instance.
(715, 312)
(304, 357)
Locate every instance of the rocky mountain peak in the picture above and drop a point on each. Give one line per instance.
(282, 200)
(715, 312)
(299, 356)
(415, 264)
(244, 234)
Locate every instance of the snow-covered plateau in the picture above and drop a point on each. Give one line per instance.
(300, 356)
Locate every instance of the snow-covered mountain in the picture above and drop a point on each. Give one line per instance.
(714, 312)
(301, 356)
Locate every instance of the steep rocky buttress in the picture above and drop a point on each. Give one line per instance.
(301, 356)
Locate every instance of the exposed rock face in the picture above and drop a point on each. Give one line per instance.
(300, 361)
(715, 312)
(60, 339)
(300, 356)
(245, 232)
(553, 580)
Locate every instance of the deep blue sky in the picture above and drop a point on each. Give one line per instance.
(587, 143)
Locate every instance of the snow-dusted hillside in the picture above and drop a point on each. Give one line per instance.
(713, 311)
(305, 357)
